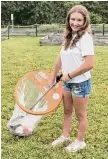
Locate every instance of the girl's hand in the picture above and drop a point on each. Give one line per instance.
(65, 78)
(51, 82)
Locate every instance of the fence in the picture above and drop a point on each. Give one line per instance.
(42, 30)
(100, 29)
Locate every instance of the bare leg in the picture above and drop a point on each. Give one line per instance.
(81, 114)
(68, 109)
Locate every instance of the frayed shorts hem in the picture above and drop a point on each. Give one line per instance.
(82, 89)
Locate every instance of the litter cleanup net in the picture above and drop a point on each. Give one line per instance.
(21, 123)
(29, 93)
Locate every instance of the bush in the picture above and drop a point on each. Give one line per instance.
(95, 18)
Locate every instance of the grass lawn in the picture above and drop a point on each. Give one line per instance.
(22, 55)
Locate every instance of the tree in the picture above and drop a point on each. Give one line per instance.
(32, 12)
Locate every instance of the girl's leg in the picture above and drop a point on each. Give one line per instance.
(68, 109)
(80, 105)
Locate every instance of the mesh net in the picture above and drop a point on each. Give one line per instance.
(28, 93)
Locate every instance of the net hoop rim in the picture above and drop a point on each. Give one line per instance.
(26, 109)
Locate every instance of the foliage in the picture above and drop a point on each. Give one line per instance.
(32, 12)
(22, 55)
(95, 18)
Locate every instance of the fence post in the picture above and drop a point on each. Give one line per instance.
(36, 30)
(8, 30)
(103, 29)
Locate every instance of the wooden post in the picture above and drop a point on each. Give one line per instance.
(36, 30)
(8, 30)
(103, 29)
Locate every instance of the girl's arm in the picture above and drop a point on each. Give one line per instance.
(56, 69)
(86, 66)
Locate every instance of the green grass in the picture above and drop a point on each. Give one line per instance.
(22, 55)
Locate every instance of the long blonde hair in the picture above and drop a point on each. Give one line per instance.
(69, 40)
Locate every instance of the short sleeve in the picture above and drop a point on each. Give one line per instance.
(87, 47)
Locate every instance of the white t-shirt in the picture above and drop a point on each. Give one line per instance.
(72, 58)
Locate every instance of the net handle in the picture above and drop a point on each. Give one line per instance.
(58, 78)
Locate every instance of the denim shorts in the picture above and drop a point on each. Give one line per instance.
(82, 89)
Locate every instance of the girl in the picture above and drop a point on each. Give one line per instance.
(76, 60)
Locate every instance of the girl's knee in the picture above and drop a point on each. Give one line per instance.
(81, 116)
(68, 111)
